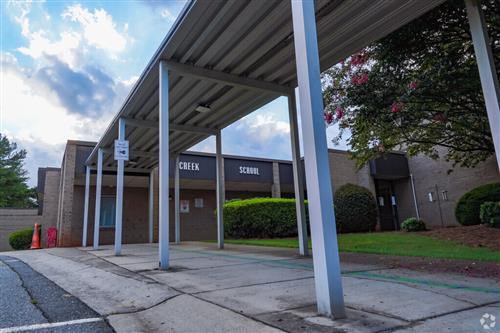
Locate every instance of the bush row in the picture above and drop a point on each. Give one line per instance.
(21, 239)
(469, 209)
(260, 218)
(355, 211)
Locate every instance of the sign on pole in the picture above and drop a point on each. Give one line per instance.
(121, 150)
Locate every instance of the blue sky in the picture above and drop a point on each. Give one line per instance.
(66, 67)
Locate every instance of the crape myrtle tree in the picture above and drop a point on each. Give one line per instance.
(417, 89)
(14, 192)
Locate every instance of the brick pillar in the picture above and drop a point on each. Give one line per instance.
(276, 187)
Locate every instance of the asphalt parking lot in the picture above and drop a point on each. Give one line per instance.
(32, 303)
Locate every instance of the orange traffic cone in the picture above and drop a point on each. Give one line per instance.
(35, 241)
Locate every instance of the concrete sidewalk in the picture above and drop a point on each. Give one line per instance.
(257, 289)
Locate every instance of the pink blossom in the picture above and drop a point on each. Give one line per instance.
(440, 117)
(359, 59)
(360, 79)
(397, 107)
(339, 112)
(328, 116)
(413, 85)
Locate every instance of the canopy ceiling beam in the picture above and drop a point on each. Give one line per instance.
(136, 170)
(141, 123)
(173, 127)
(192, 129)
(133, 153)
(228, 79)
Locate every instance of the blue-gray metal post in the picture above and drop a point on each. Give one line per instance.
(163, 238)
(98, 186)
(327, 278)
(119, 193)
(86, 206)
(487, 71)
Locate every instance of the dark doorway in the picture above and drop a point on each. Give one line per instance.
(387, 205)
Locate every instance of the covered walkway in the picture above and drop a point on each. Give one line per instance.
(224, 59)
(258, 289)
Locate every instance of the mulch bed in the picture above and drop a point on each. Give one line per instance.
(474, 235)
(470, 268)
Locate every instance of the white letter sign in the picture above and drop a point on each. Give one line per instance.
(121, 150)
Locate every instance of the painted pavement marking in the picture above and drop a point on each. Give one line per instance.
(367, 275)
(48, 325)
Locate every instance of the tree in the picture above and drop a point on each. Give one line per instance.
(417, 89)
(14, 192)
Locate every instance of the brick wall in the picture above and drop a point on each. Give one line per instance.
(12, 219)
(343, 171)
(65, 211)
(431, 176)
(11, 223)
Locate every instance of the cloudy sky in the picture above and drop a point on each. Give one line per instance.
(67, 66)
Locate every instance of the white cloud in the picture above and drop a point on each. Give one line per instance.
(24, 8)
(64, 49)
(99, 29)
(37, 122)
(263, 127)
(165, 13)
(130, 81)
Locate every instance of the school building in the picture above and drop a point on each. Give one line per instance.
(403, 187)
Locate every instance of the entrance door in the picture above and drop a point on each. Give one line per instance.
(386, 202)
(107, 219)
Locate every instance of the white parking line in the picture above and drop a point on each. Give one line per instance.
(48, 325)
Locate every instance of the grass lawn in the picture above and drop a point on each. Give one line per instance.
(391, 243)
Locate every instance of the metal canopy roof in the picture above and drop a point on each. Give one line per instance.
(247, 43)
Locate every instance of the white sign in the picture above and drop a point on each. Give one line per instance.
(184, 206)
(191, 166)
(249, 170)
(121, 150)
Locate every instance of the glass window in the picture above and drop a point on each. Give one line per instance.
(107, 212)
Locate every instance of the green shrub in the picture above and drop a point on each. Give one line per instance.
(355, 209)
(21, 239)
(490, 214)
(469, 205)
(413, 224)
(260, 218)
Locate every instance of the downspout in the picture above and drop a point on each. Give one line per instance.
(414, 196)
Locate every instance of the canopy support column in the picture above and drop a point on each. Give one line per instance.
(97, 215)
(86, 206)
(486, 66)
(220, 190)
(151, 208)
(119, 193)
(177, 202)
(298, 178)
(164, 153)
(328, 283)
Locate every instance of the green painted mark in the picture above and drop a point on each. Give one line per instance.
(422, 282)
(368, 275)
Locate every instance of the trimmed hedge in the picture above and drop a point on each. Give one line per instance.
(21, 239)
(490, 214)
(260, 218)
(355, 209)
(413, 224)
(468, 207)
